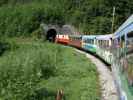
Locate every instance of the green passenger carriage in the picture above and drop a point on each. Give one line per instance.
(89, 43)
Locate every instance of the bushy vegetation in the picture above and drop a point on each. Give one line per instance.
(4, 46)
(36, 70)
(22, 17)
(22, 20)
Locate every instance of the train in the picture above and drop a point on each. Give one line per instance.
(115, 49)
(99, 45)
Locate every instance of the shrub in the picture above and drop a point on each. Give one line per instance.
(22, 70)
(22, 20)
(36, 70)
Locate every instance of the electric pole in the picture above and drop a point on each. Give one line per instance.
(112, 31)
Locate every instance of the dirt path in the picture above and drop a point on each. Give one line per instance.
(109, 91)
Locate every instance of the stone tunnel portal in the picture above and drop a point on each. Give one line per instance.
(51, 35)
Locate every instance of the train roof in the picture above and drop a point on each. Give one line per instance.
(75, 35)
(88, 36)
(104, 37)
(125, 28)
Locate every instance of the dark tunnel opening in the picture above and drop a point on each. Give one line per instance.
(51, 35)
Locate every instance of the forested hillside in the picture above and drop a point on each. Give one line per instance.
(22, 17)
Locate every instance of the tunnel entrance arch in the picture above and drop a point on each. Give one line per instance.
(51, 35)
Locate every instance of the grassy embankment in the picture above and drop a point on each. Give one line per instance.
(34, 70)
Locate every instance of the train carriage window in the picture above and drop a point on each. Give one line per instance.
(122, 42)
(130, 42)
(102, 43)
(92, 41)
(86, 41)
(99, 42)
(78, 38)
(107, 43)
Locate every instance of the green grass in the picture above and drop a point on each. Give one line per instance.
(36, 70)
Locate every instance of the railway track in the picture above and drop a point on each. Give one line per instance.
(108, 87)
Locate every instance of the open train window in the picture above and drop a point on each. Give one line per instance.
(102, 43)
(92, 41)
(87, 41)
(130, 35)
(107, 43)
(130, 42)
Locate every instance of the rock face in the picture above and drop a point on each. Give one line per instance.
(49, 31)
(67, 29)
(64, 29)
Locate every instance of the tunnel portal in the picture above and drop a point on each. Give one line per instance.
(51, 35)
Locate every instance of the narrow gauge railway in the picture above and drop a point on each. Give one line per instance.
(115, 49)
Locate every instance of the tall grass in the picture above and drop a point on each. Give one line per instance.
(36, 70)
(22, 69)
